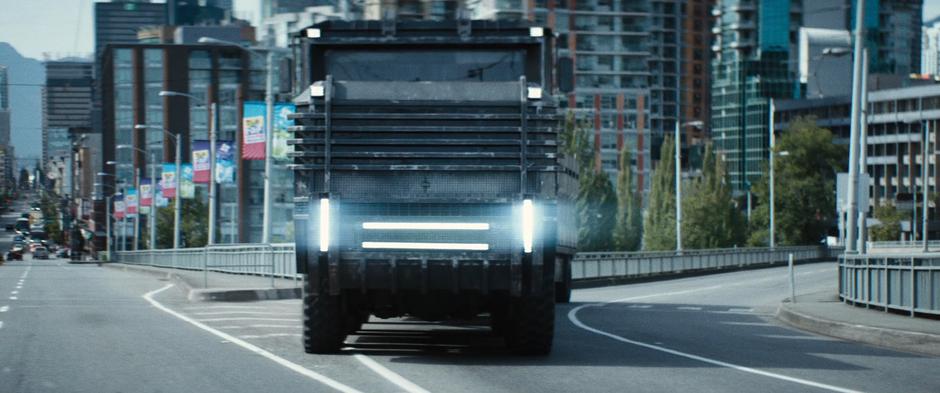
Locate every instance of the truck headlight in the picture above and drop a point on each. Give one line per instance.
(324, 224)
(528, 225)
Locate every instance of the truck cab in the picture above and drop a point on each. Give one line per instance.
(428, 179)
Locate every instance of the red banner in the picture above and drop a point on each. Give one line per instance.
(201, 166)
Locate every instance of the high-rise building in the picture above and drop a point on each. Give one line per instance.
(753, 61)
(67, 103)
(4, 106)
(930, 52)
(118, 22)
(893, 35)
(134, 74)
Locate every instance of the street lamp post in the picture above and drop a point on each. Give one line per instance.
(857, 76)
(178, 208)
(773, 142)
(107, 207)
(213, 124)
(153, 167)
(268, 127)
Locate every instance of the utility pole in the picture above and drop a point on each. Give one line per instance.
(268, 140)
(773, 140)
(212, 136)
(176, 214)
(863, 156)
(852, 246)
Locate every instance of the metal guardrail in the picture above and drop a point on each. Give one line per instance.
(277, 260)
(909, 283)
(605, 265)
(917, 244)
(268, 260)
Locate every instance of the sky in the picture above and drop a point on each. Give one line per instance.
(64, 27)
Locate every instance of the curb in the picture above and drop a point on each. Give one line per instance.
(923, 343)
(213, 295)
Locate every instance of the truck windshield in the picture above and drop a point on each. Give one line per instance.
(486, 65)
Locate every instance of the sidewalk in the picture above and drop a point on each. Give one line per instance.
(222, 287)
(825, 314)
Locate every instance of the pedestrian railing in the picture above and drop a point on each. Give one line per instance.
(269, 260)
(277, 260)
(908, 283)
(608, 265)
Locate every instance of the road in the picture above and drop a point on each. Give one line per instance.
(85, 328)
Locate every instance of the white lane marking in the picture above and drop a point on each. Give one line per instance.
(390, 375)
(746, 323)
(788, 337)
(244, 313)
(573, 317)
(639, 306)
(4, 308)
(248, 319)
(13, 298)
(15, 293)
(689, 308)
(271, 335)
(1, 324)
(19, 287)
(259, 326)
(251, 347)
(214, 307)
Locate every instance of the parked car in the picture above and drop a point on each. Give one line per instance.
(41, 253)
(15, 254)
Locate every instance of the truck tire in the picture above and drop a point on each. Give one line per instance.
(532, 326)
(563, 287)
(324, 328)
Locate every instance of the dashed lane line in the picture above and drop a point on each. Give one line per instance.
(248, 319)
(251, 347)
(389, 375)
(573, 317)
(244, 313)
(260, 326)
(4, 308)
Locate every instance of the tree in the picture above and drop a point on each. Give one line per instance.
(710, 217)
(194, 223)
(596, 212)
(575, 143)
(659, 227)
(804, 183)
(890, 227)
(628, 232)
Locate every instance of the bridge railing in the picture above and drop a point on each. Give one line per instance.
(901, 282)
(607, 265)
(277, 260)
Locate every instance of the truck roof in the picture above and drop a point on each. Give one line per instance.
(420, 28)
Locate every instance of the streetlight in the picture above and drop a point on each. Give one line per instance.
(925, 140)
(176, 214)
(153, 168)
(107, 206)
(268, 126)
(212, 136)
(694, 123)
(857, 75)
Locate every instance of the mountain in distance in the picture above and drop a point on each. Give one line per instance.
(27, 76)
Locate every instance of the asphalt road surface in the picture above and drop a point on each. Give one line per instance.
(84, 328)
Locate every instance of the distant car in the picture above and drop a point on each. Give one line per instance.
(9, 228)
(62, 253)
(15, 254)
(40, 253)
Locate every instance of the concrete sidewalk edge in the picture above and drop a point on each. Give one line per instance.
(215, 295)
(917, 342)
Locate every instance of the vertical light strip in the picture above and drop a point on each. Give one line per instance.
(324, 224)
(528, 225)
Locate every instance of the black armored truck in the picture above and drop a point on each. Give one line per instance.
(428, 179)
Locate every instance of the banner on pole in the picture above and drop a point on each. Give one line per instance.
(187, 187)
(253, 130)
(146, 193)
(224, 162)
(158, 199)
(169, 180)
(200, 161)
(279, 148)
(130, 202)
(118, 207)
